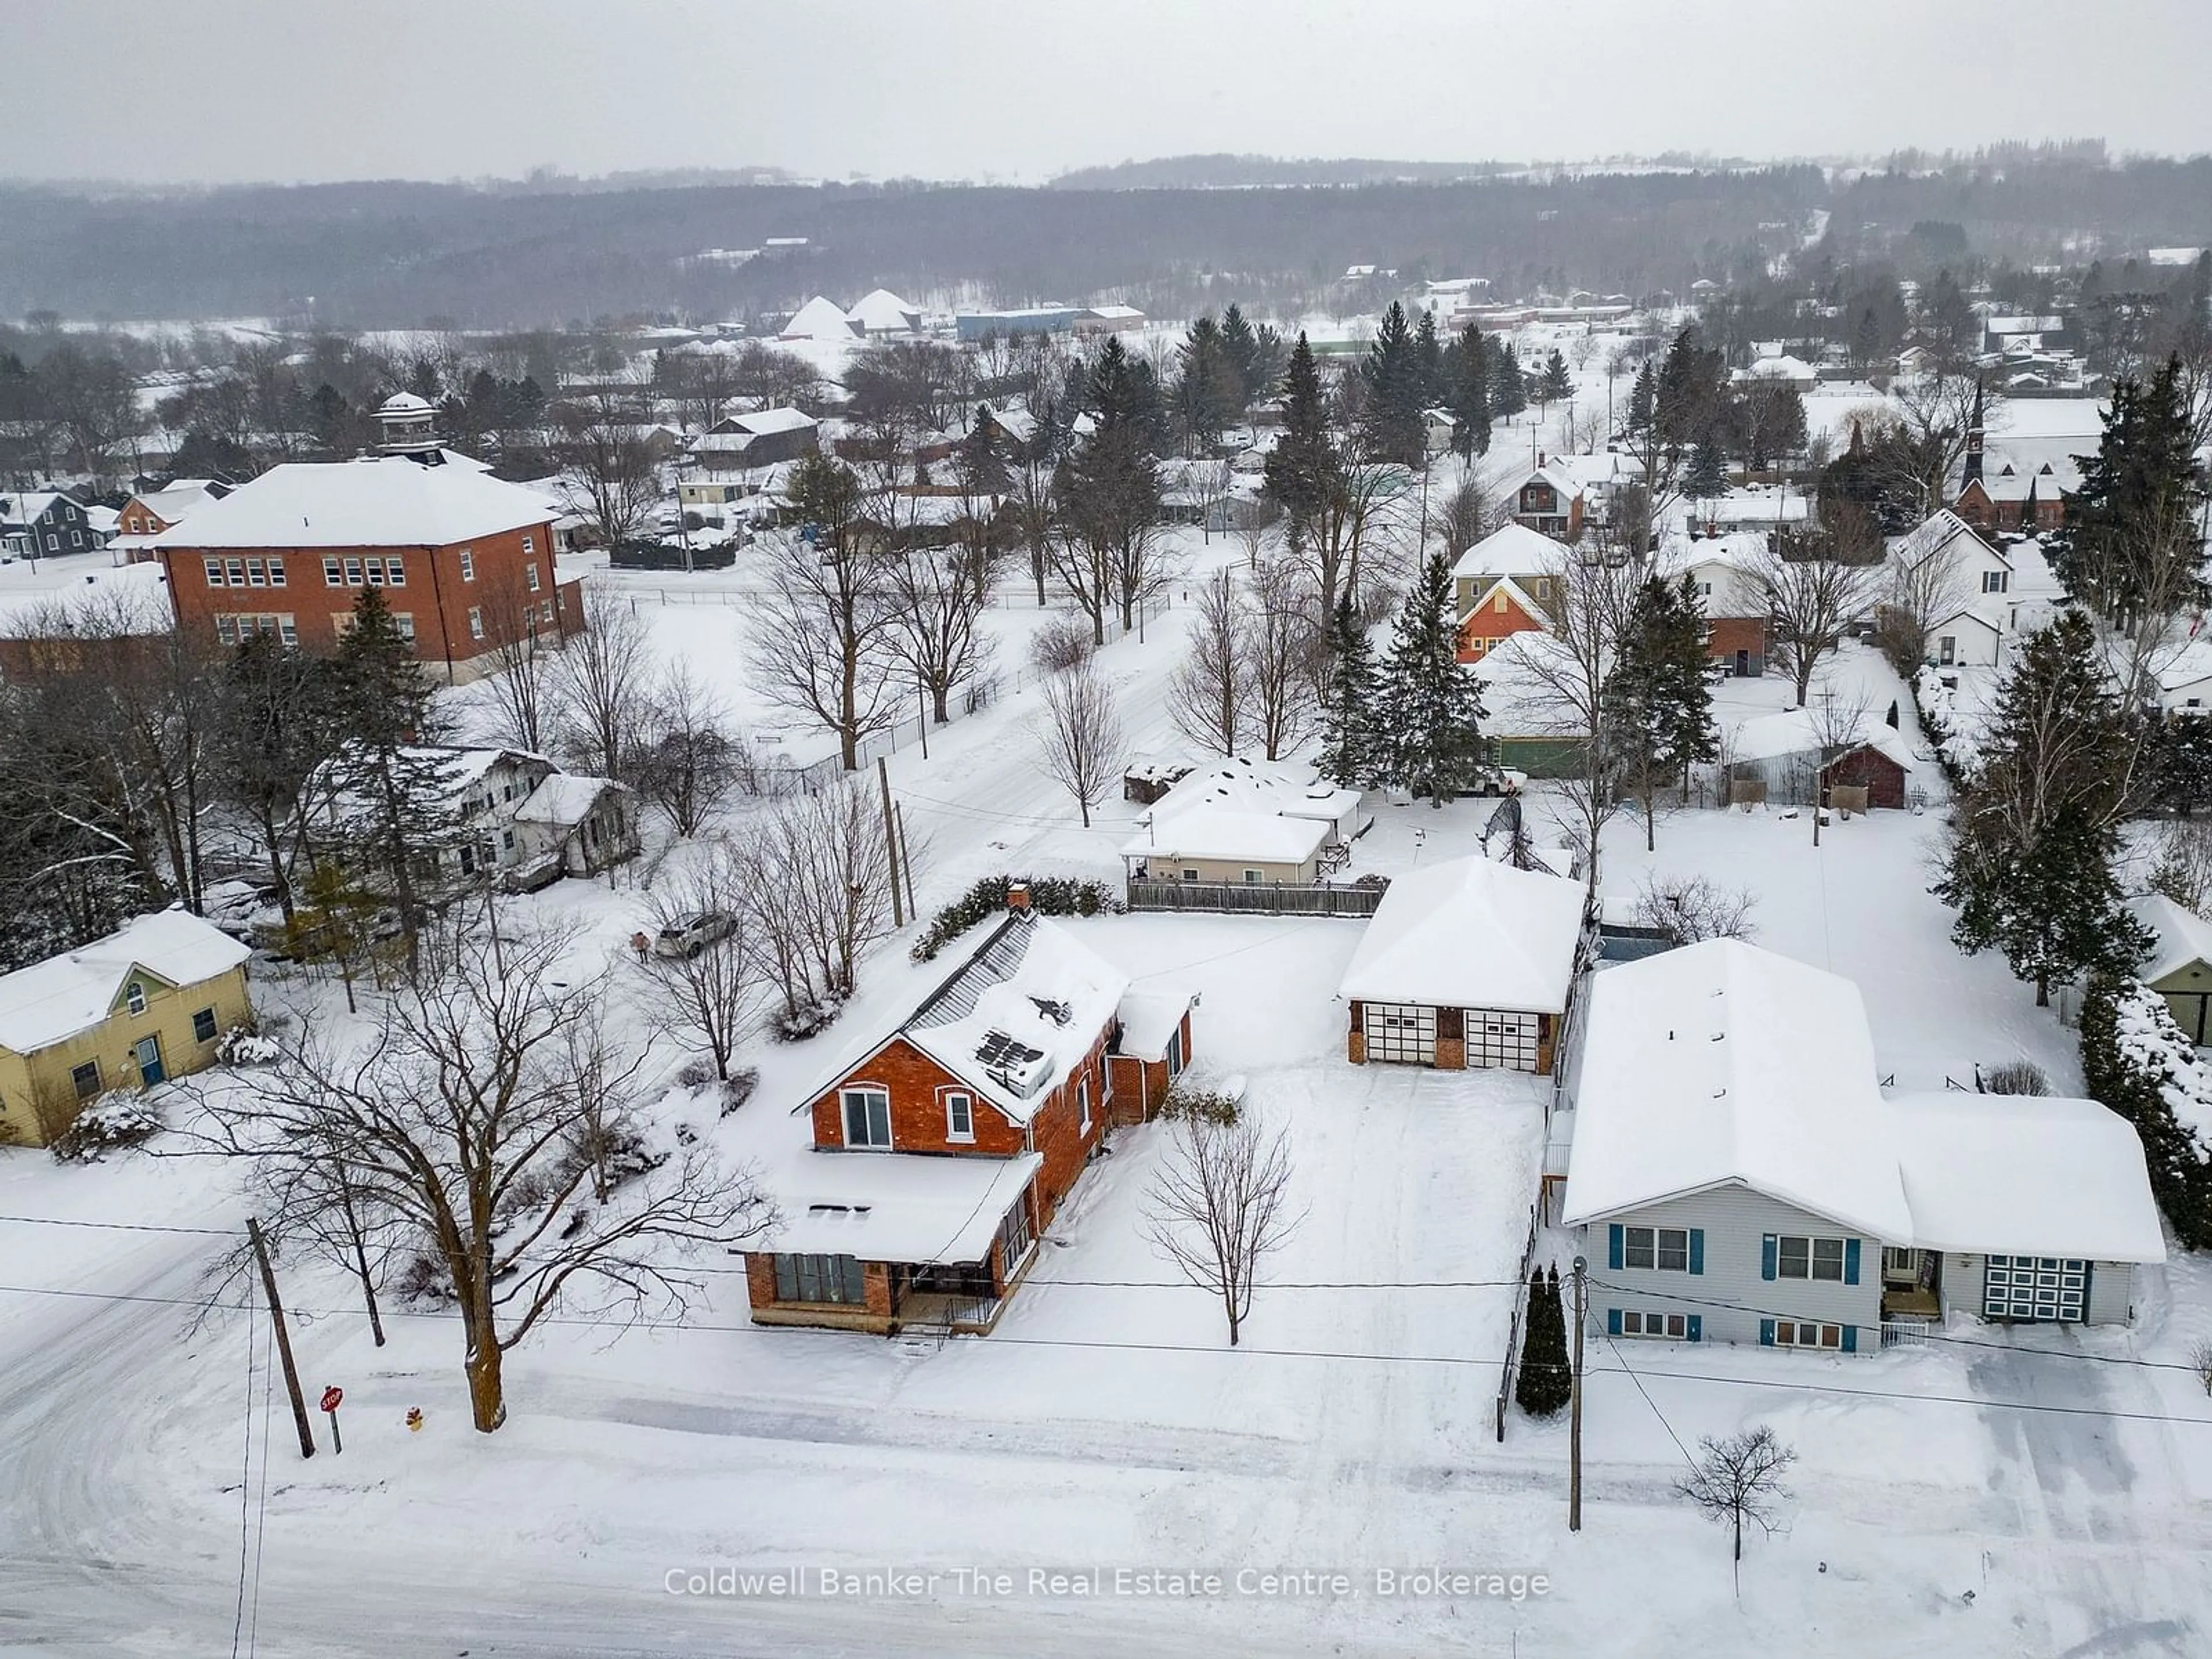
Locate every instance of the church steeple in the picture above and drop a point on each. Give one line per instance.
(1972, 471)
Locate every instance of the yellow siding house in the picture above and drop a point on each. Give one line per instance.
(145, 1004)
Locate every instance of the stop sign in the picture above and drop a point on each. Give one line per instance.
(331, 1397)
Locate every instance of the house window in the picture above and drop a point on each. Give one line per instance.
(959, 1117)
(1190, 875)
(820, 1279)
(226, 630)
(333, 573)
(277, 572)
(1809, 1258)
(288, 628)
(85, 1080)
(395, 572)
(236, 569)
(204, 1025)
(257, 574)
(867, 1117)
(376, 572)
(1633, 1323)
(77, 538)
(530, 575)
(530, 545)
(134, 997)
(546, 610)
(1501, 603)
(214, 572)
(342, 624)
(1805, 1334)
(468, 566)
(405, 622)
(1665, 1248)
(476, 623)
(1993, 581)
(1082, 1103)
(1251, 877)
(353, 573)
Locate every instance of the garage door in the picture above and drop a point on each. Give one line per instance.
(1497, 1038)
(2035, 1287)
(1401, 1031)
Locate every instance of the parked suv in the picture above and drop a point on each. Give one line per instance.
(687, 936)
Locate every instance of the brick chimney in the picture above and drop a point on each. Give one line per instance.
(1018, 896)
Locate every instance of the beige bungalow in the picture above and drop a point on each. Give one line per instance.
(1231, 845)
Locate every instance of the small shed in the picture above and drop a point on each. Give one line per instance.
(1785, 751)
(1236, 845)
(2179, 966)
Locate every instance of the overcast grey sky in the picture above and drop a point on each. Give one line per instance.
(226, 90)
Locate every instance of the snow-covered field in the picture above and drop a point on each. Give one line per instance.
(1105, 1425)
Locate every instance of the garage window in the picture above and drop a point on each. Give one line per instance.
(834, 1278)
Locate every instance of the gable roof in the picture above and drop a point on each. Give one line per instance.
(1771, 737)
(1721, 1063)
(2180, 936)
(1512, 550)
(1469, 934)
(52, 1001)
(1939, 530)
(378, 500)
(1019, 1015)
(1513, 590)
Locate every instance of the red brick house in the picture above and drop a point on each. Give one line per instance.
(466, 559)
(1503, 610)
(940, 1154)
(2010, 501)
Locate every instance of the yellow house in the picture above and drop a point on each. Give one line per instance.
(145, 1004)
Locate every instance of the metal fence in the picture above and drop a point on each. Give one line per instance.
(1512, 1363)
(1254, 898)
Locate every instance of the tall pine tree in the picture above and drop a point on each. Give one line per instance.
(1304, 465)
(1431, 705)
(2036, 829)
(1429, 357)
(2129, 549)
(1349, 746)
(1544, 1383)
(1658, 704)
(1466, 375)
(1509, 393)
(1390, 424)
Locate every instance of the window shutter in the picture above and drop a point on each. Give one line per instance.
(1612, 1245)
(1766, 1258)
(1852, 1337)
(1613, 1321)
(1766, 1333)
(1697, 1249)
(1850, 1262)
(1696, 1324)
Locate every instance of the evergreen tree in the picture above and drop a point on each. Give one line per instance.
(1466, 376)
(2137, 1060)
(2128, 548)
(1428, 356)
(1123, 396)
(1658, 704)
(388, 792)
(1558, 383)
(1642, 400)
(1866, 340)
(1348, 736)
(980, 469)
(1705, 478)
(1257, 353)
(1208, 394)
(2036, 827)
(1509, 395)
(1545, 1385)
(1304, 465)
(1431, 705)
(1390, 425)
(1687, 396)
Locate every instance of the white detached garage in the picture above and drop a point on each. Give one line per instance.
(1467, 963)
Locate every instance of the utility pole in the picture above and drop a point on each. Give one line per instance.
(1575, 1402)
(906, 856)
(283, 1337)
(890, 841)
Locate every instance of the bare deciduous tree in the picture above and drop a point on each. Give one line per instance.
(683, 757)
(599, 682)
(816, 872)
(1811, 599)
(1211, 483)
(464, 1111)
(1739, 1478)
(607, 469)
(1079, 732)
(520, 685)
(714, 993)
(938, 596)
(1287, 659)
(1217, 1208)
(1689, 909)
(1256, 523)
(821, 636)
(1208, 696)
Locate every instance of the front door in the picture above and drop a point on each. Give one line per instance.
(148, 1056)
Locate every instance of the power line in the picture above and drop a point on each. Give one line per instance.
(1649, 1400)
(118, 1226)
(245, 1482)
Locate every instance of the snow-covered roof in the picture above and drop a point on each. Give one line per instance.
(563, 798)
(2024, 1175)
(1469, 934)
(1793, 732)
(883, 312)
(2179, 936)
(1514, 675)
(27, 507)
(1512, 550)
(379, 501)
(819, 318)
(54, 999)
(1721, 1064)
(1784, 368)
(1486, 599)
(1016, 1018)
(1294, 789)
(1566, 483)
(1938, 530)
(1150, 1018)
(896, 1207)
(1228, 834)
(181, 498)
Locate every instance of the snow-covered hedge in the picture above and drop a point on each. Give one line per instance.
(241, 1045)
(1049, 895)
(120, 1118)
(2135, 1060)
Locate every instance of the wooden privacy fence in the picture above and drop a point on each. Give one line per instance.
(1255, 898)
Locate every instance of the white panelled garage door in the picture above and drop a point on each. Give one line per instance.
(1497, 1038)
(1401, 1031)
(2035, 1287)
